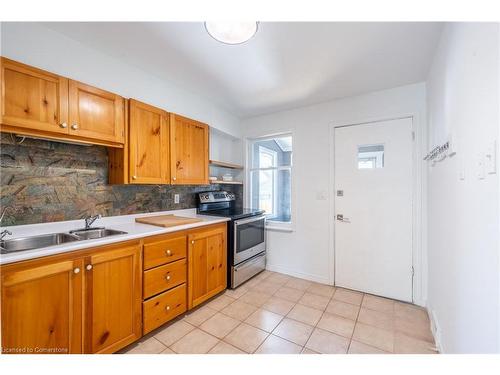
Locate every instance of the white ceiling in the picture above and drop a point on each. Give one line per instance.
(285, 65)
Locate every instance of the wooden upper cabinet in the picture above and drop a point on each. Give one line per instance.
(113, 298)
(95, 113)
(189, 151)
(148, 144)
(207, 265)
(41, 104)
(42, 308)
(33, 99)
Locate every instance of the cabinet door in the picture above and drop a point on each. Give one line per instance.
(33, 99)
(113, 299)
(42, 308)
(95, 114)
(148, 144)
(207, 264)
(189, 151)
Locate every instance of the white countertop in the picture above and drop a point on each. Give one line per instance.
(125, 223)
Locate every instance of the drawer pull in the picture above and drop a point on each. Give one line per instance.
(167, 277)
(168, 253)
(167, 308)
(74, 126)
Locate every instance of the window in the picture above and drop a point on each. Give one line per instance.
(270, 174)
(370, 156)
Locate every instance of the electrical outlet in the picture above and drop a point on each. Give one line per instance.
(176, 198)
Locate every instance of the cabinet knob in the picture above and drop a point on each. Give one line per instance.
(134, 177)
(74, 126)
(167, 308)
(76, 270)
(89, 267)
(168, 252)
(167, 277)
(174, 178)
(192, 241)
(64, 125)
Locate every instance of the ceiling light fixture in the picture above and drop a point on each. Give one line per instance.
(232, 32)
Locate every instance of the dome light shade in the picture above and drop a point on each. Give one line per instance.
(232, 32)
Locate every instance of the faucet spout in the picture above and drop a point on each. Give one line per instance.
(90, 220)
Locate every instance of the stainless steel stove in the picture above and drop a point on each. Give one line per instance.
(246, 245)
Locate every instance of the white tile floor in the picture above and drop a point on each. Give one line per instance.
(276, 313)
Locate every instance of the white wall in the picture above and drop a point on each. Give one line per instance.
(307, 251)
(463, 100)
(37, 45)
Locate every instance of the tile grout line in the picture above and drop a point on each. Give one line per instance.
(280, 285)
(355, 323)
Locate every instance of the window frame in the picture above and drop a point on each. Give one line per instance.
(250, 141)
(274, 194)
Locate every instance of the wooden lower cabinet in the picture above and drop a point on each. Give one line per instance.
(164, 307)
(164, 277)
(88, 301)
(102, 299)
(42, 307)
(207, 264)
(113, 293)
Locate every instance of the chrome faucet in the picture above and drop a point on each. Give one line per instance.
(4, 233)
(90, 220)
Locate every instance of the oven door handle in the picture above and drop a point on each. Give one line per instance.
(246, 221)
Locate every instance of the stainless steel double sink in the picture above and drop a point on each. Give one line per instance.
(46, 240)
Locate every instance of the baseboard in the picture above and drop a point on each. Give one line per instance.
(302, 275)
(435, 329)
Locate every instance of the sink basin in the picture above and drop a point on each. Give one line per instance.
(35, 242)
(94, 233)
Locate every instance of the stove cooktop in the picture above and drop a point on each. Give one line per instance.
(234, 213)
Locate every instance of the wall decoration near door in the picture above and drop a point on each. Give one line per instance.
(373, 208)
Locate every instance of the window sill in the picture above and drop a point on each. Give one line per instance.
(288, 228)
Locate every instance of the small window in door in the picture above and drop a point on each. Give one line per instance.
(370, 156)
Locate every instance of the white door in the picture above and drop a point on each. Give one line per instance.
(373, 208)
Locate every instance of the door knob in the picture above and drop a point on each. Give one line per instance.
(74, 126)
(341, 217)
(64, 125)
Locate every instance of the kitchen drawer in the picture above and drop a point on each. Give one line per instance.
(164, 307)
(164, 277)
(165, 251)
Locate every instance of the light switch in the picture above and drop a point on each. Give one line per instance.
(176, 198)
(480, 171)
(491, 158)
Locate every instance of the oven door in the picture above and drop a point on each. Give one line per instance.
(249, 238)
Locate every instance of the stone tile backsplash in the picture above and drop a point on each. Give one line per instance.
(47, 181)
